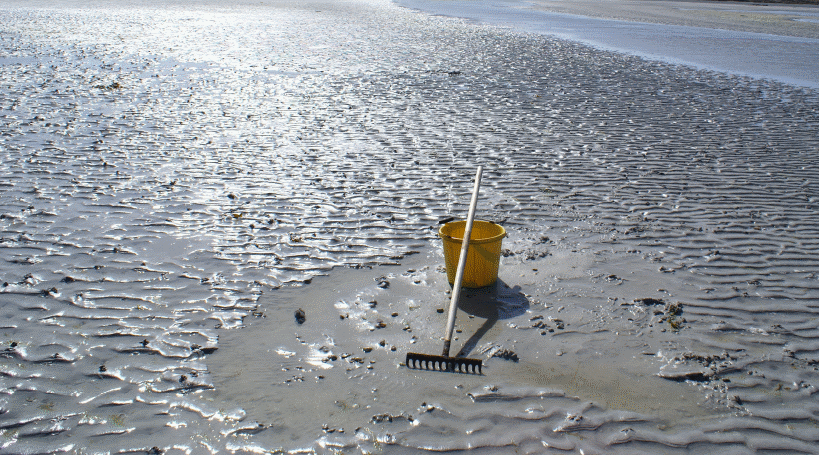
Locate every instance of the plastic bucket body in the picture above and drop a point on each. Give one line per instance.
(483, 257)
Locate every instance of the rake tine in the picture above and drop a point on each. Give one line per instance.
(441, 363)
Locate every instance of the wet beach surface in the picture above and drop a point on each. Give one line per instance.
(770, 18)
(779, 42)
(179, 180)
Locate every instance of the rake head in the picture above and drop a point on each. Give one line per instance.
(443, 363)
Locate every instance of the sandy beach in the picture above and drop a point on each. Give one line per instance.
(756, 40)
(218, 233)
(757, 17)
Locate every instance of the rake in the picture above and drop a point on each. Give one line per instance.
(444, 362)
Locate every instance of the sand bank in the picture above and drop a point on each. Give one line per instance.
(178, 180)
(745, 40)
(772, 19)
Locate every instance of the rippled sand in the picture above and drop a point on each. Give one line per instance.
(179, 179)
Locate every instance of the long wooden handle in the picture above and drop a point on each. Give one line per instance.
(459, 275)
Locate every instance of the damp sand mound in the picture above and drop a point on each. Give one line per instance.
(178, 182)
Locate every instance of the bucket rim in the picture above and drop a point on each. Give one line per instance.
(494, 238)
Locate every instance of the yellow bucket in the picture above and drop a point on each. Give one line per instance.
(483, 257)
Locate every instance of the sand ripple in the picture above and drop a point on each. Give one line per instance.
(170, 172)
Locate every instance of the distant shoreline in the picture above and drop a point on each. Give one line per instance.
(775, 40)
(788, 2)
(779, 17)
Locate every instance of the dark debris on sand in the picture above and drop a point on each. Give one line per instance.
(506, 354)
(300, 316)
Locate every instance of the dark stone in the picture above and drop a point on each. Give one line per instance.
(300, 316)
(650, 301)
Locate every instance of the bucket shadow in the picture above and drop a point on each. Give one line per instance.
(492, 303)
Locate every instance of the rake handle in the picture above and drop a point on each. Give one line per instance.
(459, 275)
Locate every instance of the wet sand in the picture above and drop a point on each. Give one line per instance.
(179, 180)
(768, 18)
(752, 40)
